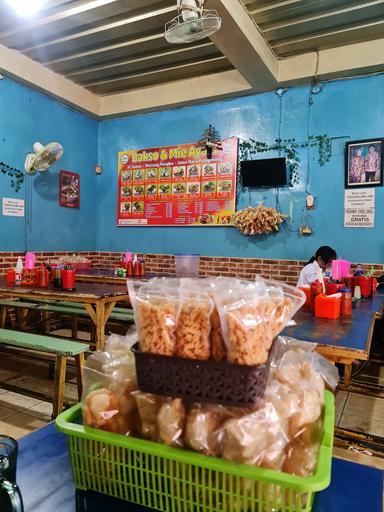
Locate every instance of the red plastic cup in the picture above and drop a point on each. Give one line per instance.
(68, 279)
(365, 283)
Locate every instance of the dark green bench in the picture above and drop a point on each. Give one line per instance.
(73, 309)
(61, 348)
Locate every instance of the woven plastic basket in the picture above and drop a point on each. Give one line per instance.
(174, 480)
(201, 381)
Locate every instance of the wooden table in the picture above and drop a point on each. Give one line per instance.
(344, 340)
(107, 275)
(98, 299)
(46, 484)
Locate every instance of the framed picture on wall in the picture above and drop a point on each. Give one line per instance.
(364, 163)
(69, 189)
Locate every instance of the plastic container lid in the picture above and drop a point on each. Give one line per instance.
(345, 290)
(186, 254)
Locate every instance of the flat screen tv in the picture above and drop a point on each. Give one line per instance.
(267, 172)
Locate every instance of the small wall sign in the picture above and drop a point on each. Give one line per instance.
(359, 208)
(13, 207)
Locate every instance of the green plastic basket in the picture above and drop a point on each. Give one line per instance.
(175, 480)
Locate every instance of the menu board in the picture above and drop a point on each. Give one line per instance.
(177, 185)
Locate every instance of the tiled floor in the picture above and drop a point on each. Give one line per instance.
(361, 413)
(20, 415)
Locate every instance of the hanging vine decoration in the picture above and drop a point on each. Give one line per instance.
(249, 148)
(17, 176)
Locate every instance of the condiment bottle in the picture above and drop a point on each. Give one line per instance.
(11, 276)
(129, 268)
(316, 289)
(43, 277)
(346, 302)
(19, 271)
(57, 280)
(359, 270)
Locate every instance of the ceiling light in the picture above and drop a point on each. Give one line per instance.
(26, 7)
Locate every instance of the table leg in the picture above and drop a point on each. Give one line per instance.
(100, 326)
(3, 316)
(347, 374)
(99, 317)
(21, 315)
(45, 315)
(74, 327)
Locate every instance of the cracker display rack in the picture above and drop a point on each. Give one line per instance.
(170, 479)
(201, 381)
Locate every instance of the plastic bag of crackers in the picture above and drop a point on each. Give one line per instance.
(280, 432)
(222, 319)
(109, 378)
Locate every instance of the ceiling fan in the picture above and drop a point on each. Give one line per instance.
(193, 22)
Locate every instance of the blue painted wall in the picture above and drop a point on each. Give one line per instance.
(27, 116)
(351, 108)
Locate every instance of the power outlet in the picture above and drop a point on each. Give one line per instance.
(305, 231)
(310, 202)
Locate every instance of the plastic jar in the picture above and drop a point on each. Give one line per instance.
(346, 302)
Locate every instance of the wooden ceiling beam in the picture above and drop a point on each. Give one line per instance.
(240, 40)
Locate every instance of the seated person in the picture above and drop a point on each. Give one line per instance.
(313, 270)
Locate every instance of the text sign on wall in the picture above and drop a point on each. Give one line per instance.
(13, 207)
(359, 208)
(177, 185)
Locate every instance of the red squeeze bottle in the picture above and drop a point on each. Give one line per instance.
(346, 302)
(316, 289)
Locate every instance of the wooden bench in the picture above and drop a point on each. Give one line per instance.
(73, 309)
(62, 350)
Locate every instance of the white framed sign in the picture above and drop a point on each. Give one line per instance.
(359, 208)
(13, 207)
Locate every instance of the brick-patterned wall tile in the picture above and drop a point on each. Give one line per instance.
(245, 268)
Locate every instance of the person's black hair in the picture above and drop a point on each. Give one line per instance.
(324, 252)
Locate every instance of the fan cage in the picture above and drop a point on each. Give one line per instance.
(205, 25)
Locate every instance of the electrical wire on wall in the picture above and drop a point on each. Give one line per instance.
(28, 212)
(314, 88)
(280, 92)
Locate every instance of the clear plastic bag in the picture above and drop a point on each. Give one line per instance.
(171, 421)
(256, 439)
(252, 315)
(148, 406)
(327, 370)
(203, 422)
(193, 323)
(109, 377)
(156, 309)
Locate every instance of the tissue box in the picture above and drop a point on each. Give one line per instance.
(328, 306)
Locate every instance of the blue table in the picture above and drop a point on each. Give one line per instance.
(45, 480)
(343, 340)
